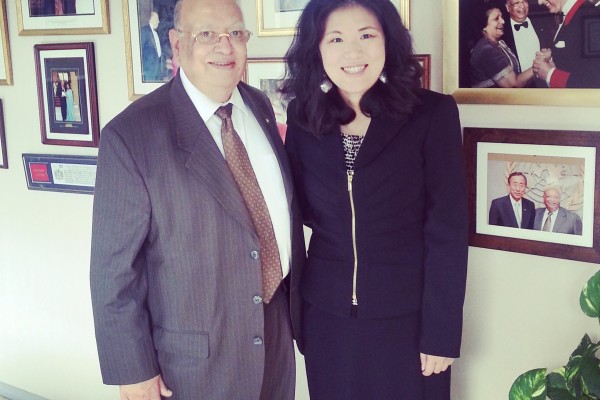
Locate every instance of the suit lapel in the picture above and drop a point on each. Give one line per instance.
(561, 216)
(205, 160)
(264, 115)
(381, 131)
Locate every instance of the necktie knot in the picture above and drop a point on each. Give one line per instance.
(524, 25)
(224, 112)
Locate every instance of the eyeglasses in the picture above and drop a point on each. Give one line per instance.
(238, 36)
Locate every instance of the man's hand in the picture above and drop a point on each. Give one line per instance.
(434, 364)
(151, 389)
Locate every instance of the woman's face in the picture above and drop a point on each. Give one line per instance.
(353, 51)
(495, 24)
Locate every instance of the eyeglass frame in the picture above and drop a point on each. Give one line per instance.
(218, 37)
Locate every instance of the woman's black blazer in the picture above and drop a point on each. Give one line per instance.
(410, 200)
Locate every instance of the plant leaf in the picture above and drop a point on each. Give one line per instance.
(589, 300)
(590, 371)
(530, 385)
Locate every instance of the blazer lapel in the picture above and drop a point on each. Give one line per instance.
(561, 216)
(381, 131)
(264, 115)
(205, 160)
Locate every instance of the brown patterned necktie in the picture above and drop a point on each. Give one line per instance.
(241, 168)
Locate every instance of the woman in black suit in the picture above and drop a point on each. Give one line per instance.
(378, 166)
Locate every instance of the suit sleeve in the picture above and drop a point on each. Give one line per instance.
(446, 233)
(121, 220)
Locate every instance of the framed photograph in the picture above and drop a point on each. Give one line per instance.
(57, 173)
(279, 17)
(267, 74)
(425, 61)
(68, 104)
(534, 191)
(147, 46)
(3, 155)
(5, 64)
(465, 75)
(62, 17)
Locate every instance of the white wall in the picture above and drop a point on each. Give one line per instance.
(522, 311)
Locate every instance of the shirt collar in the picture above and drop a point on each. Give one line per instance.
(206, 106)
(513, 22)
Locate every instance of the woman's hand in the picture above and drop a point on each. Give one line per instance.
(434, 364)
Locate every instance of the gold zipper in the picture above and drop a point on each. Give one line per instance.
(354, 297)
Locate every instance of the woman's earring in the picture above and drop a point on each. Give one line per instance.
(383, 77)
(326, 85)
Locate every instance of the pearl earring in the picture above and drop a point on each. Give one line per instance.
(326, 85)
(383, 77)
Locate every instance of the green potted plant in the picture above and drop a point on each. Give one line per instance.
(580, 378)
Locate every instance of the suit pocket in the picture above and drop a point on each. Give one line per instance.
(186, 344)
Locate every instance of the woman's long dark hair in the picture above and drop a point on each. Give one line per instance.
(322, 113)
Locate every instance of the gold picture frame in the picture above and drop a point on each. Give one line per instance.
(92, 20)
(283, 24)
(546, 97)
(5, 63)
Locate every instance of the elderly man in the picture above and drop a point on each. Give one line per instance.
(572, 61)
(195, 233)
(553, 217)
(525, 35)
(513, 211)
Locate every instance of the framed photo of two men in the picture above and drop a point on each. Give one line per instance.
(62, 17)
(537, 52)
(534, 191)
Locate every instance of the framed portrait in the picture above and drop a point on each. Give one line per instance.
(148, 50)
(534, 191)
(425, 61)
(279, 17)
(267, 74)
(5, 64)
(62, 17)
(3, 155)
(67, 97)
(472, 61)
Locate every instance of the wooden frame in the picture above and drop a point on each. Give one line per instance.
(273, 22)
(425, 61)
(550, 97)
(37, 21)
(3, 153)
(567, 159)
(5, 63)
(68, 104)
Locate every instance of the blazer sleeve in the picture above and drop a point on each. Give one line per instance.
(118, 277)
(446, 233)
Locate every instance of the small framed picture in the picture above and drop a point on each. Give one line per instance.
(68, 104)
(3, 155)
(279, 17)
(267, 74)
(534, 191)
(147, 47)
(62, 17)
(425, 61)
(5, 64)
(60, 173)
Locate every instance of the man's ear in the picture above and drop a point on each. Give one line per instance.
(174, 39)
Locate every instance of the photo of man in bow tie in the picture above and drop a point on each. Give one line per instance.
(526, 34)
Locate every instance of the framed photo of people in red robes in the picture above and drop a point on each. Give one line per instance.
(67, 97)
(62, 17)
(534, 191)
(522, 52)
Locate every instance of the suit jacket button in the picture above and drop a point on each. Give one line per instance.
(254, 255)
(258, 341)
(257, 299)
